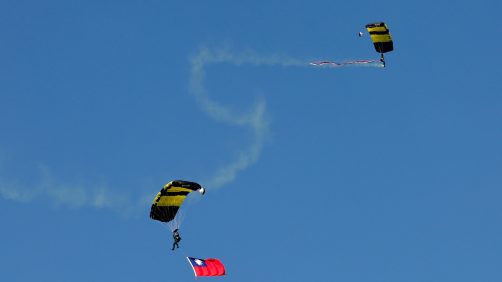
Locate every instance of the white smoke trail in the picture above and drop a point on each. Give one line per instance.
(254, 120)
(100, 196)
(97, 196)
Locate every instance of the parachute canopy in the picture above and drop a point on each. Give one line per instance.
(168, 201)
(380, 36)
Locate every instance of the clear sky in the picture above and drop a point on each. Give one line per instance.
(354, 174)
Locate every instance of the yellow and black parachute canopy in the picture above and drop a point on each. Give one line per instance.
(169, 199)
(380, 36)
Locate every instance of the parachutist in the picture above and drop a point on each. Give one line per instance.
(177, 239)
(382, 59)
(382, 41)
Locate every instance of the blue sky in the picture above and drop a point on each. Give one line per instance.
(312, 174)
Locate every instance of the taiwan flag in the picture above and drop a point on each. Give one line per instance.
(207, 267)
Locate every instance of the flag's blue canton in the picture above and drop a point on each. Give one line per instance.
(197, 262)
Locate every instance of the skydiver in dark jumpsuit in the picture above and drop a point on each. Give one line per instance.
(177, 239)
(382, 59)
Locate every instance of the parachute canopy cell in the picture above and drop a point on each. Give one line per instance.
(380, 36)
(168, 201)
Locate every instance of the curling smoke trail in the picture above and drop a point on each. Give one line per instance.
(46, 187)
(254, 120)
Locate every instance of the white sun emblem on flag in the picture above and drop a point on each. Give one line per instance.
(198, 262)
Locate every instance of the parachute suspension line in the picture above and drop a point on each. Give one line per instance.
(171, 224)
(165, 224)
(177, 220)
(180, 217)
(183, 210)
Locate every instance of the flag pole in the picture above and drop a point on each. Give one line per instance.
(194, 273)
